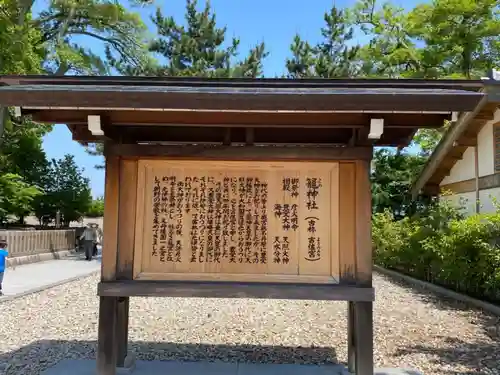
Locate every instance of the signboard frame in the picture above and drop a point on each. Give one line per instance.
(299, 267)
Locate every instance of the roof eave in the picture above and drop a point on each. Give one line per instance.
(472, 85)
(445, 145)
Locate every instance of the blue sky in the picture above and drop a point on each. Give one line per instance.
(273, 21)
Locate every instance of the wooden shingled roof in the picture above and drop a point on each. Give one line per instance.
(196, 110)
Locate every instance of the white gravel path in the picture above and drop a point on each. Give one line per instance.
(411, 330)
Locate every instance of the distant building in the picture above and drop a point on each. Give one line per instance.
(467, 160)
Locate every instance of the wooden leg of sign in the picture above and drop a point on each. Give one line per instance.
(106, 340)
(122, 330)
(351, 337)
(363, 338)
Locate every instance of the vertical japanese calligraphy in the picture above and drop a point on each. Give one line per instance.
(212, 220)
(313, 186)
(313, 242)
(156, 214)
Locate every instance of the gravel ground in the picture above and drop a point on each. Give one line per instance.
(411, 330)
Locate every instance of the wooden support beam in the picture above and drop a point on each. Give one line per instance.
(362, 137)
(216, 152)
(125, 256)
(121, 330)
(347, 225)
(127, 219)
(465, 142)
(227, 137)
(468, 186)
(108, 308)
(431, 189)
(222, 289)
(363, 338)
(351, 338)
(111, 202)
(106, 341)
(360, 314)
(486, 114)
(364, 259)
(249, 136)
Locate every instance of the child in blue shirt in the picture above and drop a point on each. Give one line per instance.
(3, 256)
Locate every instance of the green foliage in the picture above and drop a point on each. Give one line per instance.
(19, 52)
(96, 208)
(428, 139)
(121, 32)
(66, 191)
(460, 36)
(437, 39)
(442, 246)
(197, 49)
(332, 57)
(95, 149)
(48, 44)
(390, 52)
(16, 196)
(393, 174)
(21, 150)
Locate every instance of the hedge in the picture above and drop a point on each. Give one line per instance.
(443, 247)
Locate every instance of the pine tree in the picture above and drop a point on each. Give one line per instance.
(198, 48)
(332, 57)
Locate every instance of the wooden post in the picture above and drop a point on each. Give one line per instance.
(363, 333)
(362, 315)
(348, 242)
(125, 255)
(351, 343)
(106, 340)
(121, 330)
(108, 306)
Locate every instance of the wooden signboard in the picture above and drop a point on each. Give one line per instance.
(237, 221)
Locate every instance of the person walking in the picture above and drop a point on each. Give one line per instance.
(89, 237)
(3, 260)
(99, 239)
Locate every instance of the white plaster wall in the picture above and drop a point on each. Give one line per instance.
(467, 200)
(486, 197)
(486, 149)
(464, 169)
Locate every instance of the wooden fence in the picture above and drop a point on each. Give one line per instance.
(32, 242)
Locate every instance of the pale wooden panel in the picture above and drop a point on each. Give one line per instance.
(364, 261)
(315, 224)
(347, 221)
(238, 277)
(140, 220)
(110, 225)
(235, 218)
(335, 219)
(126, 218)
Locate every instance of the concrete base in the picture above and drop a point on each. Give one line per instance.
(87, 367)
(13, 262)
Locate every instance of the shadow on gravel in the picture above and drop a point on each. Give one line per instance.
(478, 357)
(40, 355)
(488, 322)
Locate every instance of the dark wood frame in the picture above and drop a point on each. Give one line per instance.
(222, 289)
(117, 285)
